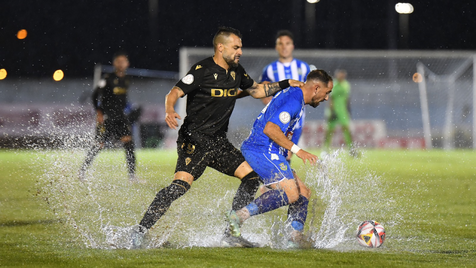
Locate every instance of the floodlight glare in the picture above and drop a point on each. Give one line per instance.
(312, 1)
(404, 8)
(58, 75)
(22, 34)
(3, 74)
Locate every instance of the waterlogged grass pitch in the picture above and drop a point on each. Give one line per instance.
(425, 200)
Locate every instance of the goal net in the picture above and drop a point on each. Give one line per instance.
(386, 106)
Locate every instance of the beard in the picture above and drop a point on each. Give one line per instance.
(231, 62)
(314, 104)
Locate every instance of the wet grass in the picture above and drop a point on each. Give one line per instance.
(434, 191)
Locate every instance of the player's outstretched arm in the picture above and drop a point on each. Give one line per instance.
(259, 91)
(170, 100)
(274, 132)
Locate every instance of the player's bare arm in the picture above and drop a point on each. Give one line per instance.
(274, 132)
(170, 100)
(242, 94)
(259, 91)
(100, 117)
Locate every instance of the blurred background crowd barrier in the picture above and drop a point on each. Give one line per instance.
(399, 99)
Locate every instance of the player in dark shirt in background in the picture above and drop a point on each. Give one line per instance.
(109, 101)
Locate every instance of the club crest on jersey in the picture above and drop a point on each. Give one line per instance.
(283, 167)
(188, 160)
(188, 79)
(189, 149)
(215, 75)
(119, 91)
(284, 117)
(233, 74)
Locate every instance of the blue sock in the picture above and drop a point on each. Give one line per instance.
(268, 201)
(297, 213)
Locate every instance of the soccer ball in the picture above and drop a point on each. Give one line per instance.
(371, 234)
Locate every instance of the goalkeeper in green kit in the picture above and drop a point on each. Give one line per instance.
(337, 112)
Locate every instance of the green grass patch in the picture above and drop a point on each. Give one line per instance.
(430, 220)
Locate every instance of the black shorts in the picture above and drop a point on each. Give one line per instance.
(196, 153)
(113, 130)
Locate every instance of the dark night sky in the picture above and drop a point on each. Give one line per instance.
(73, 35)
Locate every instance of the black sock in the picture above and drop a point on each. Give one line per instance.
(162, 202)
(130, 157)
(247, 191)
(90, 156)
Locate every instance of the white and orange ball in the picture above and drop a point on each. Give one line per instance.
(370, 234)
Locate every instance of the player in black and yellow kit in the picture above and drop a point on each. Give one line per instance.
(212, 87)
(109, 101)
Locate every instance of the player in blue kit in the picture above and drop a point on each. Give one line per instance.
(286, 67)
(265, 150)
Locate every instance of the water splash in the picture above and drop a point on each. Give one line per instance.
(100, 211)
(346, 193)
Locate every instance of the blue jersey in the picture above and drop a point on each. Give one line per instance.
(285, 110)
(278, 71)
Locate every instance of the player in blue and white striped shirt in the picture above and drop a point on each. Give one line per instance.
(286, 67)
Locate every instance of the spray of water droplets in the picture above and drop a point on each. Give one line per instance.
(99, 212)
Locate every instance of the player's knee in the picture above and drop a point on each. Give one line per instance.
(126, 139)
(292, 195)
(251, 181)
(178, 188)
(306, 192)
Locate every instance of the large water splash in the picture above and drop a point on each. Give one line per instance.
(100, 211)
(346, 193)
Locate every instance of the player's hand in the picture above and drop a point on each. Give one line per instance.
(170, 119)
(100, 117)
(305, 156)
(295, 83)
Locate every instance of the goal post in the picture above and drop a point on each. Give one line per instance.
(382, 90)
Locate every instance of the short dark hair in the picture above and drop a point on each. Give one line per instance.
(225, 31)
(320, 75)
(119, 54)
(285, 33)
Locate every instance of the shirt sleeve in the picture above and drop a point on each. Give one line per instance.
(308, 70)
(246, 80)
(283, 113)
(191, 81)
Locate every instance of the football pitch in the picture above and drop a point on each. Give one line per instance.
(48, 218)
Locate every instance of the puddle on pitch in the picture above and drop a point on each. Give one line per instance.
(99, 212)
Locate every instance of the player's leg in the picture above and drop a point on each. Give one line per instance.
(281, 194)
(191, 164)
(328, 138)
(180, 185)
(277, 174)
(98, 144)
(161, 203)
(91, 154)
(248, 187)
(227, 159)
(297, 214)
(129, 147)
(347, 135)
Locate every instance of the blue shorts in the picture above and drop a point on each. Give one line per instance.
(272, 168)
